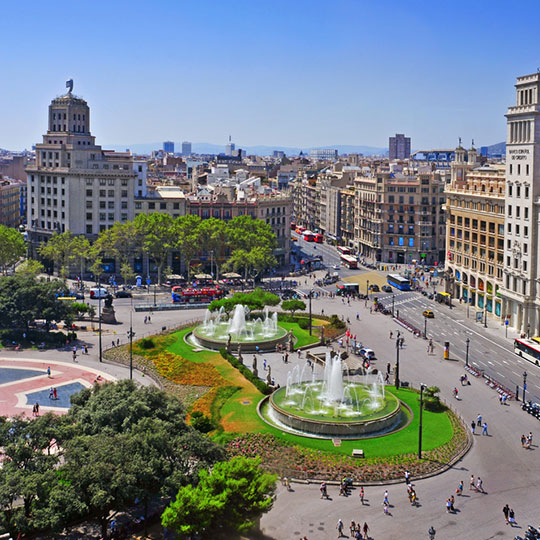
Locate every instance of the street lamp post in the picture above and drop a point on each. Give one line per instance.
(485, 314)
(155, 284)
(528, 331)
(524, 385)
(310, 323)
(468, 307)
(422, 388)
(392, 305)
(130, 335)
(425, 327)
(397, 363)
(99, 322)
(467, 341)
(367, 288)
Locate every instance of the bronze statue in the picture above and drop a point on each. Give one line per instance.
(229, 344)
(240, 352)
(255, 371)
(269, 376)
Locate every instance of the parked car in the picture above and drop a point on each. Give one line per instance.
(368, 354)
(98, 293)
(76, 294)
(288, 294)
(387, 288)
(428, 314)
(374, 288)
(123, 294)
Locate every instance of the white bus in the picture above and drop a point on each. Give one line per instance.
(528, 350)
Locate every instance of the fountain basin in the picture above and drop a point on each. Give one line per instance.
(333, 419)
(248, 345)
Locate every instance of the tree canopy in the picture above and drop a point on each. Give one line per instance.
(12, 247)
(230, 497)
(256, 299)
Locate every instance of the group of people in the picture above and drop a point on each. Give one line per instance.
(477, 486)
(526, 440)
(53, 393)
(356, 530)
(479, 424)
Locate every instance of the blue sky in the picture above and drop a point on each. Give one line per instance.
(296, 73)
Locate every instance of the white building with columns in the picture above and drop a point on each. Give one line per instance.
(521, 287)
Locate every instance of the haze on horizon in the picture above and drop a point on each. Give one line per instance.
(294, 74)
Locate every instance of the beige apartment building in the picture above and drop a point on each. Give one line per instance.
(475, 202)
(75, 185)
(10, 202)
(169, 200)
(399, 217)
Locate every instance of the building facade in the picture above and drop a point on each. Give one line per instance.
(186, 148)
(475, 211)
(399, 147)
(74, 185)
(399, 218)
(168, 147)
(520, 294)
(10, 202)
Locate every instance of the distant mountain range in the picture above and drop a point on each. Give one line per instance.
(209, 148)
(497, 149)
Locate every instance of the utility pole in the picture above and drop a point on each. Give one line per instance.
(99, 321)
(367, 288)
(422, 388)
(485, 314)
(425, 327)
(397, 363)
(310, 320)
(130, 335)
(392, 305)
(524, 385)
(467, 341)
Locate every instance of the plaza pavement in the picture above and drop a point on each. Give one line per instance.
(510, 473)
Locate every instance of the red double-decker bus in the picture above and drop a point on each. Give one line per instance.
(203, 295)
(318, 238)
(308, 236)
(344, 250)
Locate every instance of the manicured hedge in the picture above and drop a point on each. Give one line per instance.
(246, 372)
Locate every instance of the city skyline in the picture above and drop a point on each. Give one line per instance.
(298, 76)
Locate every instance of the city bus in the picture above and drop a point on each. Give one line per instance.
(349, 261)
(528, 350)
(300, 229)
(308, 236)
(344, 250)
(444, 298)
(293, 226)
(318, 238)
(399, 282)
(203, 295)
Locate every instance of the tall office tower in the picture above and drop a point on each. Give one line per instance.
(74, 185)
(229, 149)
(186, 148)
(521, 301)
(168, 147)
(399, 147)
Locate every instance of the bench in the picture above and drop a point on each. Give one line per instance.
(357, 453)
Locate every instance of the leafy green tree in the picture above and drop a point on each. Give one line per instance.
(245, 232)
(239, 261)
(229, 498)
(30, 267)
(81, 251)
(187, 238)
(24, 298)
(293, 305)
(214, 238)
(61, 250)
(261, 258)
(158, 237)
(11, 247)
(256, 299)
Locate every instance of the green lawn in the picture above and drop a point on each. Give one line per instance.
(437, 429)
(302, 336)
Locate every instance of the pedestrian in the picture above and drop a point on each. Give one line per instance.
(264, 364)
(51, 393)
(339, 528)
(479, 485)
(34, 410)
(471, 483)
(479, 420)
(473, 426)
(387, 378)
(287, 358)
(523, 441)
(49, 372)
(55, 393)
(149, 319)
(459, 489)
(484, 429)
(86, 349)
(324, 492)
(452, 500)
(511, 517)
(145, 319)
(391, 334)
(352, 528)
(288, 483)
(358, 316)
(256, 349)
(365, 528)
(506, 511)
(407, 477)
(455, 392)
(386, 497)
(118, 342)
(362, 495)
(37, 408)
(385, 507)
(74, 354)
(448, 505)
(529, 439)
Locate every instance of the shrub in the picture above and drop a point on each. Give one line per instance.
(336, 322)
(246, 372)
(201, 422)
(54, 339)
(303, 323)
(432, 401)
(146, 343)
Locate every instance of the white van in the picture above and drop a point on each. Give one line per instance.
(98, 293)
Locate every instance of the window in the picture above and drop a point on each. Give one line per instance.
(525, 231)
(176, 206)
(526, 210)
(138, 205)
(88, 204)
(102, 204)
(124, 217)
(151, 206)
(524, 266)
(111, 217)
(527, 170)
(517, 229)
(111, 182)
(509, 211)
(519, 168)
(510, 185)
(111, 192)
(124, 193)
(524, 248)
(411, 242)
(102, 193)
(110, 205)
(518, 191)
(102, 181)
(89, 181)
(102, 216)
(162, 206)
(124, 182)
(124, 205)
(518, 208)
(400, 240)
(89, 216)
(89, 229)
(526, 192)
(89, 193)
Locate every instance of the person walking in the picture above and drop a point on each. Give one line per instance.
(484, 429)
(471, 483)
(55, 393)
(448, 505)
(362, 495)
(529, 439)
(339, 528)
(407, 477)
(523, 441)
(391, 334)
(365, 529)
(386, 497)
(459, 490)
(49, 372)
(455, 392)
(352, 528)
(37, 408)
(506, 511)
(511, 517)
(473, 427)
(479, 485)
(324, 492)
(479, 420)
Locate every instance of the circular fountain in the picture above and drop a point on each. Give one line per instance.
(333, 406)
(218, 331)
